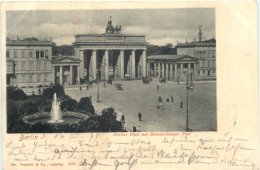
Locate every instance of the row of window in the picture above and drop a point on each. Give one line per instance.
(38, 54)
(30, 66)
(204, 54)
(30, 78)
(206, 64)
(208, 72)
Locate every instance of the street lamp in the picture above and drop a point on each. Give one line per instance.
(98, 85)
(189, 86)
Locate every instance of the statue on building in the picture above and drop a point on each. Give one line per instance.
(111, 30)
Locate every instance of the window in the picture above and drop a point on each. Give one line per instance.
(208, 63)
(45, 66)
(46, 54)
(37, 54)
(31, 66)
(45, 77)
(203, 64)
(38, 77)
(15, 54)
(23, 54)
(23, 78)
(7, 54)
(30, 78)
(213, 63)
(23, 67)
(38, 66)
(208, 73)
(30, 54)
(213, 54)
(42, 53)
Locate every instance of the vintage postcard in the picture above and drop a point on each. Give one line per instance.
(129, 85)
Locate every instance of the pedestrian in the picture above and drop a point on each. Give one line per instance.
(79, 88)
(158, 87)
(134, 128)
(181, 106)
(171, 98)
(140, 116)
(123, 119)
(160, 99)
(167, 99)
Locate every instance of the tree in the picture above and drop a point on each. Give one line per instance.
(69, 104)
(92, 124)
(109, 122)
(14, 93)
(86, 105)
(28, 108)
(57, 88)
(15, 123)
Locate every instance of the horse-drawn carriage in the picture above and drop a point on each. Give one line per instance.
(162, 80)
(145, 80)
(127, 77)
(119, 86)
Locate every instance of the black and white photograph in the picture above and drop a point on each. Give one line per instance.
(131, 70)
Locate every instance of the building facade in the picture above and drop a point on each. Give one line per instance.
(111, 55)
(205, 51)
(28, 63)
(65, 71)
(172, 67)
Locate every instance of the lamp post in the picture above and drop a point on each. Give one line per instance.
(189, 86)
(98, 84)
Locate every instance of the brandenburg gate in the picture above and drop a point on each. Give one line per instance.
(111, 55)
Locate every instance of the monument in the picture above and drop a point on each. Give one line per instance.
(111, 55)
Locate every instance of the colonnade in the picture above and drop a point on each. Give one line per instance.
(171, 71)
(74, 77)
(94, 60)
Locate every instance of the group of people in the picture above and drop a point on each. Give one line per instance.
(134, 127)
(167, 99)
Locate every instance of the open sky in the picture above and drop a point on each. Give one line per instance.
(160, 26)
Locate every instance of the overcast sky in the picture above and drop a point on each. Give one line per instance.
(160, 26)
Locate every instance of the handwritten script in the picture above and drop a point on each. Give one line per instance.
(128, 151)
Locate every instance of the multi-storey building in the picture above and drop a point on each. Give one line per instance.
(28, 62)
(205, 51)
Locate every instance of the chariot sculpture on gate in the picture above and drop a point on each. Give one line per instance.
(111, 30)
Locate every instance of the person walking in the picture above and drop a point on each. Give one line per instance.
(158, 87)
(123, 118)
(181, 106)
(134, 128)
(171, 98)
(140, 116)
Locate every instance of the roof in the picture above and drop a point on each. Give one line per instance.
(65, 59)
(172, 58)
(28, 43)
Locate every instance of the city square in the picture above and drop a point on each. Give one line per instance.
(138, 97)
(114, 78)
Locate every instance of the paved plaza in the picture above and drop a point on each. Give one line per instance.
(138, 97)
